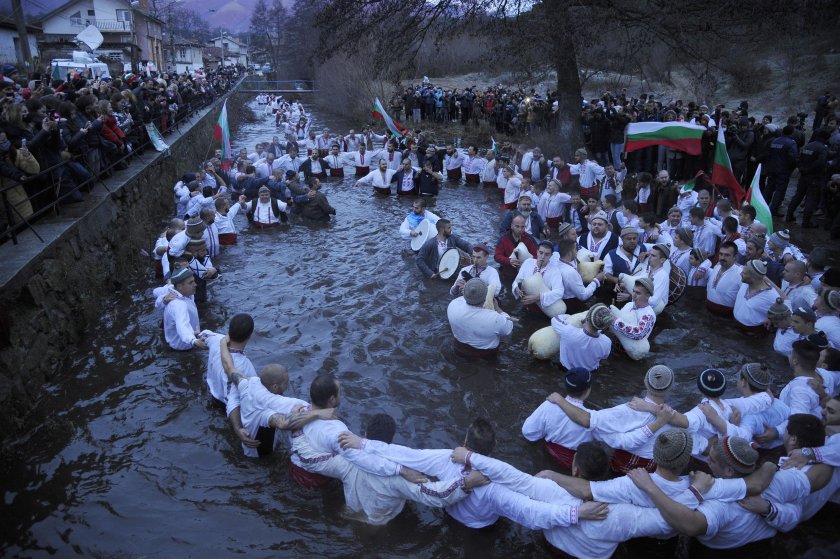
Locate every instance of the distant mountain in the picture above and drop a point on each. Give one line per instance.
(231, 15)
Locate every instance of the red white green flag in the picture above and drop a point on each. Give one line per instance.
(680, 136)
(393, 126)
(722, 174)
(757, 201)
(222, 133)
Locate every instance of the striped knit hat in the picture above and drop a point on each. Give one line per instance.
(758, 267)
(564, 228)
(778, 310)
(659, 379)
(756, 375)
(181, 275)
(599, 316)
(712, 383)
(672, 450)
(738, 453)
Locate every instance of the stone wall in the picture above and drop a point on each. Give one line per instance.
(46, 309)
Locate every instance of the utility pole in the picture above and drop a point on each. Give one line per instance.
(20, 22)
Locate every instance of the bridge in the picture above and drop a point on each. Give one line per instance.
(259, 85)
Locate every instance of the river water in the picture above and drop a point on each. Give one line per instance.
(127, 457)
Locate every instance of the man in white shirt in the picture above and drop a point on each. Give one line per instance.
(724, 282)
(473, 165)
(755, 296)
(417, 214)
(535, 303)
(476, 330)
(180, 317)
(478, 269)
(589, 172)
(584, 347)
(380, 179)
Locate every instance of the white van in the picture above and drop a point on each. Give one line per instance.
(81, 62)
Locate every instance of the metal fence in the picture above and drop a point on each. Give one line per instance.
(25, 202)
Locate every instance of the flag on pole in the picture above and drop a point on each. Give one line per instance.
(394, 127)
(689, 186)
(680, 136)
(722, 174)
(757, 201)
(222, 134)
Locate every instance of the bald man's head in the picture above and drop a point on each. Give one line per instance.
(275, 378)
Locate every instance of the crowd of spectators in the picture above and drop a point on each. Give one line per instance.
(56, 135)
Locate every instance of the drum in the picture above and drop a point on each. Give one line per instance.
(678, 283)
(449, 263)
(425, 231)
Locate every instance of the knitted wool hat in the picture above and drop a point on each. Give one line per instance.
(578, 379)
(581, 152)
(181, 275)
(599, 215)
(664, 248)
(758, 267)
(712, 383)
(700, 254)
(757, 375)
(196, 244)
(778, 310)
(780, 238)
(647, 283)
(818, 340)
(475, 292)
(686, 235)
(628, 230)
(564, 228)
(738, 453)
(599, 316)
(672, 450)
(195, 226)
(659, 379)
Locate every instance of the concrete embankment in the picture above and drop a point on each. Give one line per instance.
(52, 291)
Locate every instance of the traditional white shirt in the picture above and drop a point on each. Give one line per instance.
(599, 247)
(799, 294)
(552, 205)
(578, 348)
(751, 308)
(831, 381)
(353, 142)
(550, 423)
(217, 380)
(632, 262)
(263, 213)
(513, 187)
(474, 165)
(800, 398)
(830, 326)
(551, 277)
(358, 159)
(783, 341)
(722, 287)
(180, 322)
(225, 223)
(685, 203)
(289, 163)
(489, 275)
(197, 203)
(588, 171)
(454, 161)
(666, 227)
(703, 269)
(258, 404)
(476, 326)
(394, 159)
(645, 320)
(706, 237)
(406, 229)
(182, 198)
(488, 171)
(264, 169)
(614, 426)
(484, 505)
(211, 238)
(378, 179)
(572, 282)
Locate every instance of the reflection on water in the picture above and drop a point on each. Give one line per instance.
(127, 457)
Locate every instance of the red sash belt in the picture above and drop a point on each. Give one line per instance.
(453, 174)
(469, 351)
(758, 330)
(473, 178)
(510, 205)
(265, 225)
(585, 192)
(719, 310)
(321, 175)
(362, 171)
(488, 184)
(382, 191)
(323, 152)
(560, 454)
(337, 172)
(227, 238)
(306, 479)
(623, 461)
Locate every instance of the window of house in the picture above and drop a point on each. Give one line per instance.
(123, 15)
(76, 18)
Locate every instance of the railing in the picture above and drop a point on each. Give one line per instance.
(102, 24)
(24, 202)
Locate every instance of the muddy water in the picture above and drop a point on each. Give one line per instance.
(127, 457)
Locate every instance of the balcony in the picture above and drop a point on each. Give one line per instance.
(102, 24)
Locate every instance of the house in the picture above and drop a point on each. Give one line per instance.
(234, 50)
(130, 32)
(186, 55)
(10, 43)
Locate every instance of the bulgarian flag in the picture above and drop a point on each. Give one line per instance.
(394, 127)
(222, 134)
(494, 146)
(680, 136)
(756, 200)
(722, 174)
